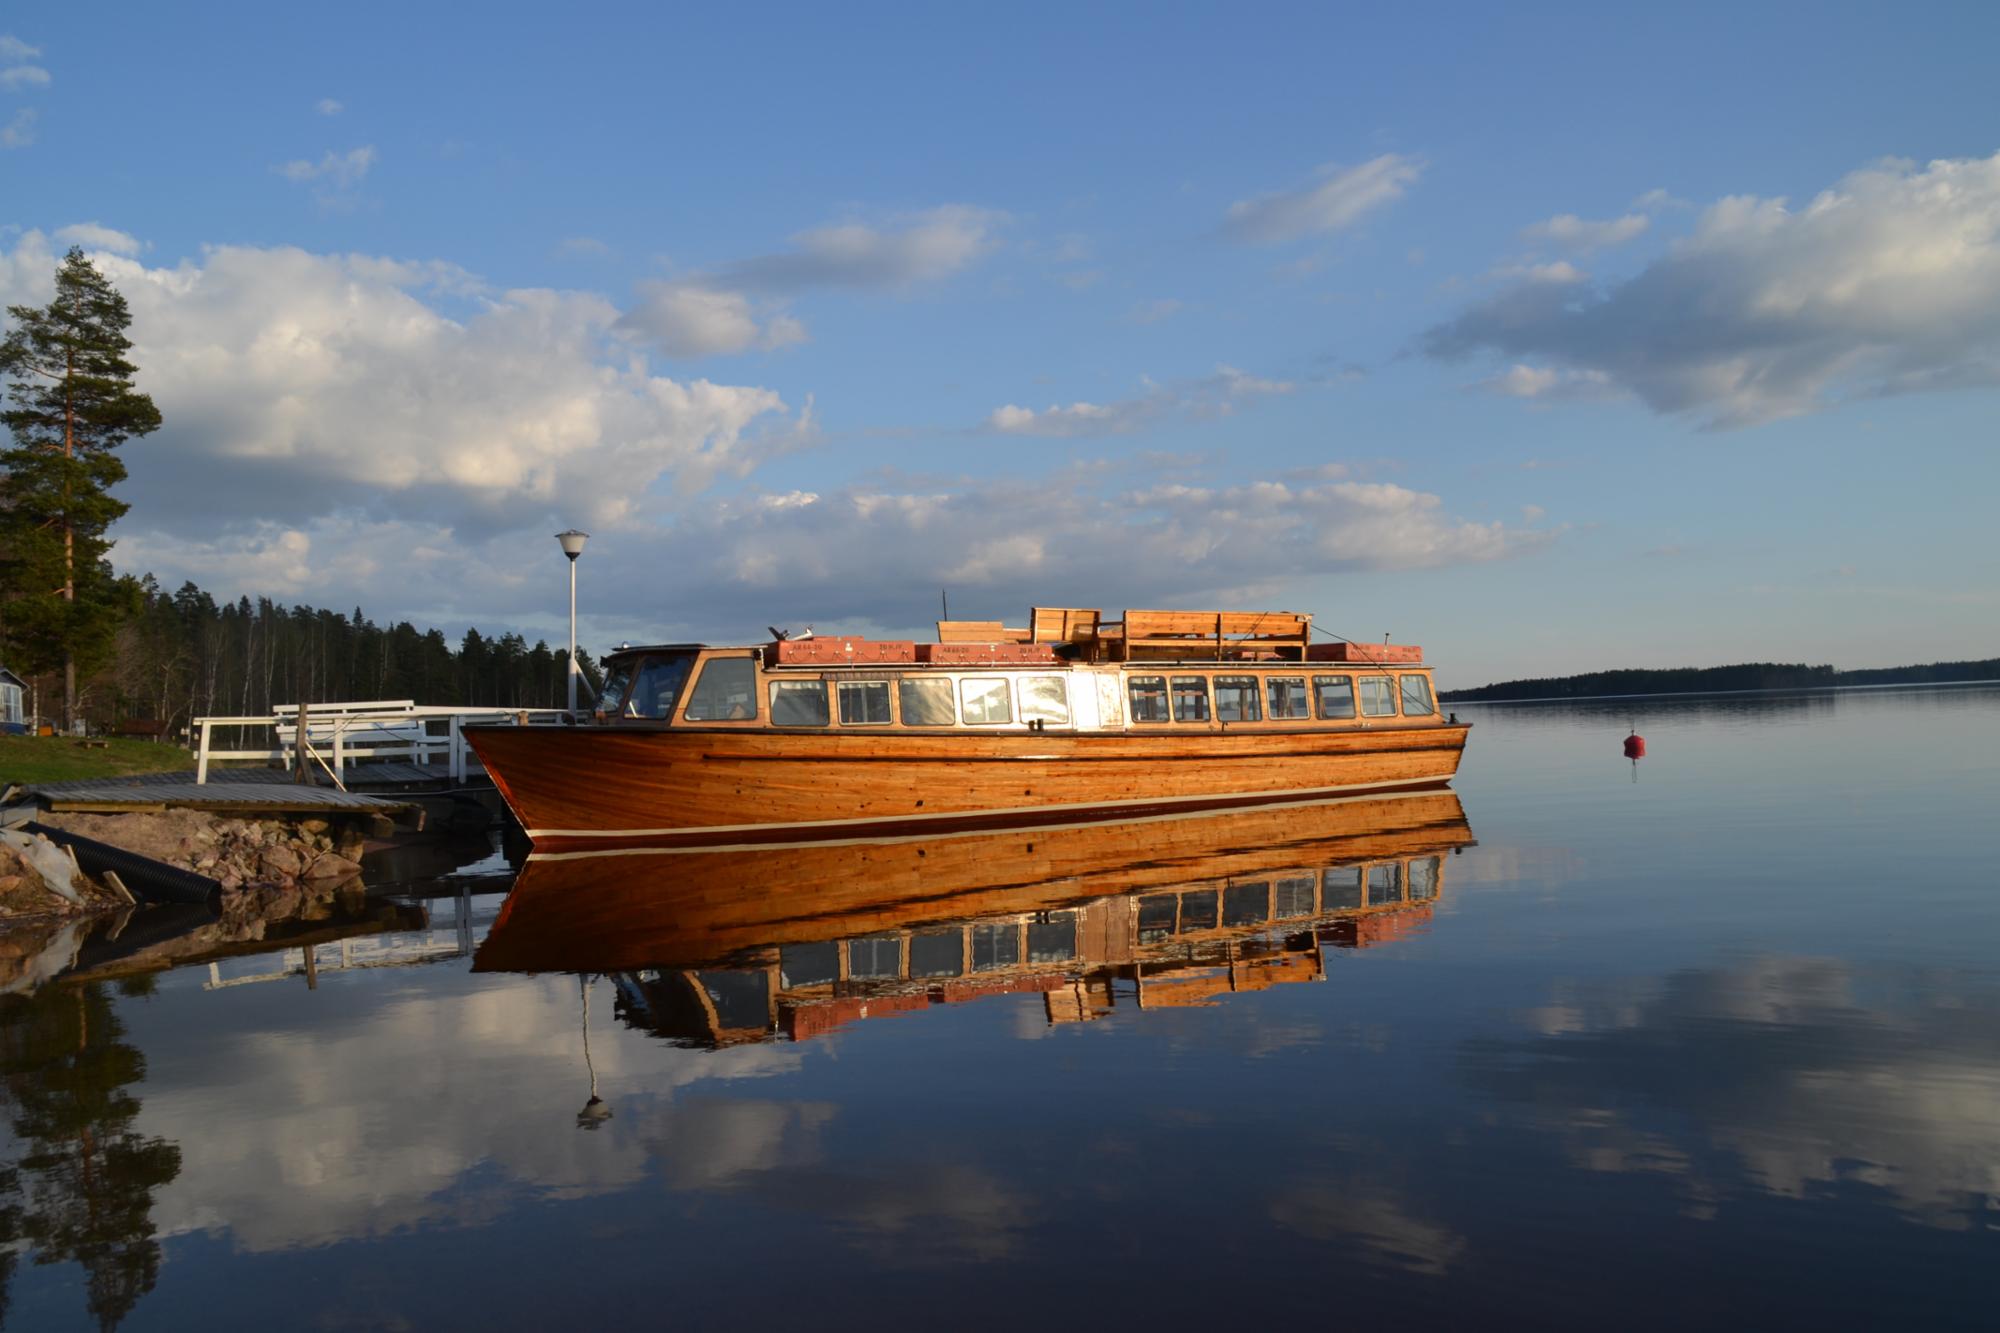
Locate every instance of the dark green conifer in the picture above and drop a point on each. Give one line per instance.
(70, 403)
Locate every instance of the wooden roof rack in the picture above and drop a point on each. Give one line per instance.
(1206, 635)
(1149, 635)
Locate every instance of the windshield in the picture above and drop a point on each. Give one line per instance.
(616, 677)
(656, 688)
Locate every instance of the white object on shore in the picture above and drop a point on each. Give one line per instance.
(49, 861)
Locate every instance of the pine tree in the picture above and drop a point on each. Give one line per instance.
(70, 404)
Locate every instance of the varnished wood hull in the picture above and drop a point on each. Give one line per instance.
(692, 908)
(582, 790)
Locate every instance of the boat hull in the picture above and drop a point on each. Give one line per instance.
(600, 789)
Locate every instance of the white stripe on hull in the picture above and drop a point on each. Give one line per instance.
(1289, 797)
(889, 838)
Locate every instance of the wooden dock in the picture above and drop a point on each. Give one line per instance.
(249, 791)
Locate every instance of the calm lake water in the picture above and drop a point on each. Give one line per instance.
(1718, 1046)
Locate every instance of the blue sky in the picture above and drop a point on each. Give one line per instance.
(1555, 339)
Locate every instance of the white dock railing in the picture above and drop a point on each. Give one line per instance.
(339, 735)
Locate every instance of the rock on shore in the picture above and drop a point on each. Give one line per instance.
(243, 854)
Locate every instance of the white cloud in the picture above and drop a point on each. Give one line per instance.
(585, 247)
(327, 106)
(1656, 200)
(1523, 381)
(1217, 395)
(876, 553)
(19, 131)
(314, 1170)
(13, 49)
(1877, 1077)
(96, 236)
(1567, 231)
(343, 412)
(1889, 282)
(1154, 312)
(922, 247)
(689, 320)
(340, 170)
(19, 77)
(1554, 271)
(1076, 419)
(1338, 198)
(712, 313)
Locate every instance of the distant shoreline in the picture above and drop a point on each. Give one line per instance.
(1447, 697)
(1736, 678)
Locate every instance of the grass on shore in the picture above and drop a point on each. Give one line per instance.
(63, 759)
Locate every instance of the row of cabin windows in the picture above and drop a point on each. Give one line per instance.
(1288, 898)
(726, 691)
(1051, 937)
(948, 952)
(1283, 699)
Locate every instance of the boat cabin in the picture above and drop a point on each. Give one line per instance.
(1068, 670)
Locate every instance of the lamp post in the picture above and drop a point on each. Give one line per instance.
(572, 545)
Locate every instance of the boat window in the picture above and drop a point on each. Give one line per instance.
(1045, 699)
(1246, 904)
(986, 702)
(1148, 696)
(1423, 879)
(1294, 897)
(1156, 917)
(1198, 911)
(1287, 697)
(1052, 937)
(1417, 696)
(996, 946)
(926, 703)
(798, 703)
(1340, 888)
(1336, 695)
(1190, 698)
(864, 703)
(875, 957)
(808, 964)
(725, 692)
(657, 687)
(741, 999)
(1385, 884)
(1378, 697)
(612, 696)
(937, 953)
(1236, 699)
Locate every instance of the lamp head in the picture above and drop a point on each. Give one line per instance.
(572, 542)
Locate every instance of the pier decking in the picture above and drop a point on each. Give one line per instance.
(245, 791)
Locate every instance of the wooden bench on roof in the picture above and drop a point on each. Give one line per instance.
(1207, 635)
(1063, 624)
(1046, 624)
(978, 631)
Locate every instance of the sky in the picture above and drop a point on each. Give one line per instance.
(1552, 338)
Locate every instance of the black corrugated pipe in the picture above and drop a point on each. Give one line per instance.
(150, 880)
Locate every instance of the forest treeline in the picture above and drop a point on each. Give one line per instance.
(183, 655)
(1742, 676)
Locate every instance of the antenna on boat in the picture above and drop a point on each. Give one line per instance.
(944, 604)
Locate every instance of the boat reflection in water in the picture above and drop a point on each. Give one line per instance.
(725, 947)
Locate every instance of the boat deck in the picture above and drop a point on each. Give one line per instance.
(245, 791)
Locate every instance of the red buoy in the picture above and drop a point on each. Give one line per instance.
(1635, 746)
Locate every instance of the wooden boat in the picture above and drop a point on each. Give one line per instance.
(720, 947)
(1068, 719)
